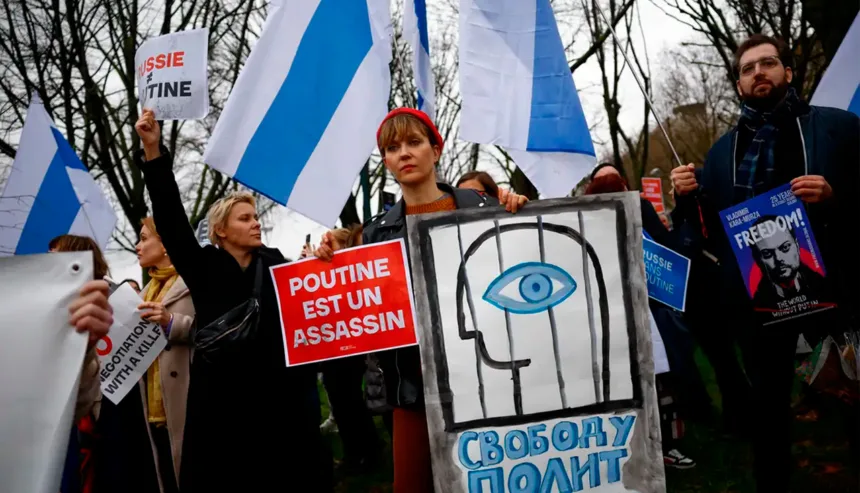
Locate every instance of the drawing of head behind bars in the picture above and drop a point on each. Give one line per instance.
(550, 316)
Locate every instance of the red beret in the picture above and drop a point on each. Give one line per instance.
(417, 114)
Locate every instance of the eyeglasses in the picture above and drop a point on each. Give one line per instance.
(767, 63)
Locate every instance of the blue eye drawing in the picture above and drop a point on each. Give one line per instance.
(535, 287)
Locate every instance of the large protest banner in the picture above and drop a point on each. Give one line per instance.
(777, 255)
(41, 357)
(172, 75)
(667, 272)
(536, 347)
(130, 347)
(358, 303)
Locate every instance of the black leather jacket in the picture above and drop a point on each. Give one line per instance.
(402, 367)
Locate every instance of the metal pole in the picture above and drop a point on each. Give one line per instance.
(638, 82)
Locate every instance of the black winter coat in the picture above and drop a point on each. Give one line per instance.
(402, 367)
(830, 141)
(251, 423)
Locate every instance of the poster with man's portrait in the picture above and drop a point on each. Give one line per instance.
(536, 347)
(778, 258)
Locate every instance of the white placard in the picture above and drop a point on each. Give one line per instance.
(40, 366)
(129, 348)
(536, 351)
(172, 78)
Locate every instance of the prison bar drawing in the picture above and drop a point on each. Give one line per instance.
(601, 379)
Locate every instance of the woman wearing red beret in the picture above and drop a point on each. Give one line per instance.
(410, 146)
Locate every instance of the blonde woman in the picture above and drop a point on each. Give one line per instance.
(251, 421)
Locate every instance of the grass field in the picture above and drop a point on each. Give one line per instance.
(822, 462)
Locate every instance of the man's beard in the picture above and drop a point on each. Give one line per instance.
(606, 184)
(769, 102)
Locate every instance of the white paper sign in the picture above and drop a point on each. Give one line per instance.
(172, 76)
(129, 348)
(536, 349)
(40, 366)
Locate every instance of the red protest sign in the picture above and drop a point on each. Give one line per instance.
(360, 302)
(652, 191)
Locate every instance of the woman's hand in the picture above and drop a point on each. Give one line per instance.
(512, 201)
(325, 251)
(156, 313)
(91, 312)
(150, 134)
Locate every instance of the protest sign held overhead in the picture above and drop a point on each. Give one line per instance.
(358, 303)
(652, 191)
(777, 255)
(536, 348)
(172, 76)
(667, 272)
(129, 348)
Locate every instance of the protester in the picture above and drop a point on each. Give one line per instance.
(89, 313)
(779, 139)
(251, 422)
(605, 178)
(342, 378)
(88, 390)
(410, 146)
(142, 435)
(480, 181)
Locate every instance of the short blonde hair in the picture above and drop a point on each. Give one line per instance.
(220, 211)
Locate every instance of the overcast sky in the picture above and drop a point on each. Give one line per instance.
(661, 32)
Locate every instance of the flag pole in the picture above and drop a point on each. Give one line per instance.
(638, 82)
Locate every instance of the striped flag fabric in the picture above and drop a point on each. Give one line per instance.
(518, 92)
(840, 85)
(301, 120)
(49, 192)
(415, 30)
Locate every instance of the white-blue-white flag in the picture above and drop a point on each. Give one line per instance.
(518, 92)
(415, 30)
(49, 192)
(840, 85)
(302, 118)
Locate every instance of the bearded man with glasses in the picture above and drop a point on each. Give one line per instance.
(779, 139)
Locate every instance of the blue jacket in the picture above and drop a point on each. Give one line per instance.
(831, 141)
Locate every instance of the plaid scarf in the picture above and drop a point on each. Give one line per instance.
(749, 180)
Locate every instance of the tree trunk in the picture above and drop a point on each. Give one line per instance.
(365, 190)
(349, 214)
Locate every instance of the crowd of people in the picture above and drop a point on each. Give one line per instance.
(225, 414)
